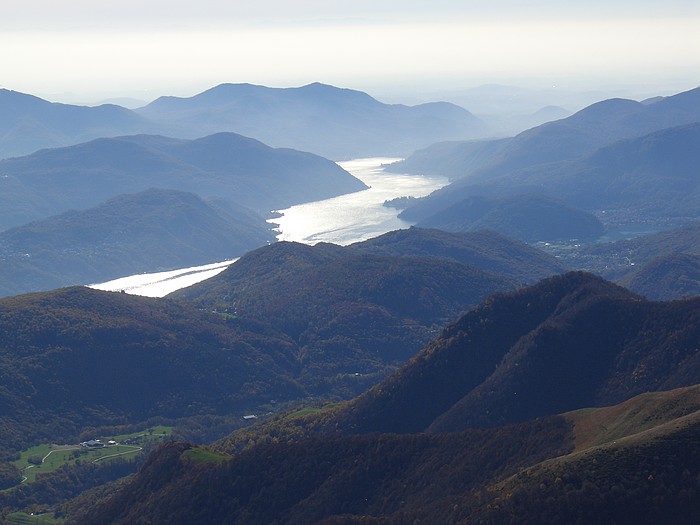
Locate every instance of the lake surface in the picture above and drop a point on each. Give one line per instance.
(161, 284)
(341, 220)
(356, 216)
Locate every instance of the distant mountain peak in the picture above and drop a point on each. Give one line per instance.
(337, 123)
(607, 108)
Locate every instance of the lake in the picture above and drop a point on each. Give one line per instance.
(341, 220)
(356, 216)
(161, 284)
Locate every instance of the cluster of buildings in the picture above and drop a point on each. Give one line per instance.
(97, 443)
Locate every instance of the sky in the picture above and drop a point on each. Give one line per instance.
(93, 49)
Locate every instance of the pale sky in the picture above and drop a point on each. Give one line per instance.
(147, 48)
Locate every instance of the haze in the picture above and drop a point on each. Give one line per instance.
(89, 50)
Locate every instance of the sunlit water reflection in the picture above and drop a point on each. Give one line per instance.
(341, 220)
(161, 284)
(356, 216)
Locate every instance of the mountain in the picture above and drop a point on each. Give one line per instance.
(224, 166)
(486, 250)
(355, 316)
(510, 123)
(529, 218)
(651, 177)
(636, 462)
(547, 114)
(332, 122)
(567, 342)
(595, 126)
(483, 412)
(29, 123)
(77, 359)
(666, 277)
(323, 320)
(129, 234)
(616, 260)
(614, 154)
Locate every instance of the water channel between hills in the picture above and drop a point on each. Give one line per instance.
(342, 220)
(355, 216)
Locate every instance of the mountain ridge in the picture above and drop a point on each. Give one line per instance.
(338, 123)
(531, 472)
(152, 230)
(225, 166)
(567, 342)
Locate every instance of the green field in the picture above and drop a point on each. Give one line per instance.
(311, 410)
(45, 458)
(202, 455)
(20, 518)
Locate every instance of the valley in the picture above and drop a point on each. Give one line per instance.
(451, 333)
(343, 220)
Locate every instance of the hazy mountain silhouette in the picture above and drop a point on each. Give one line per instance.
(652, 175)
(225, 166)
(29, 123)
(145, 232)
(507, 124)
(530, 218)
(333, 122)
(598, 125)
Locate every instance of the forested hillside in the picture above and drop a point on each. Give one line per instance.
(225, 166)
(561, 469)
(149, 231)
(567, 342)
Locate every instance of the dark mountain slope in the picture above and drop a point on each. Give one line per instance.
(487, 250)
(641, 471)
(148, 231)
(354, 316)
(223, 166)
(281, 260)
(666, 277)
(79, 358)
(336, 123)
(324, 316)
(481, 345)
(484, 250)
(390, 476)
(568, 342)
(647, 478)
(529, 218)
(28, 123)
(592, 355)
